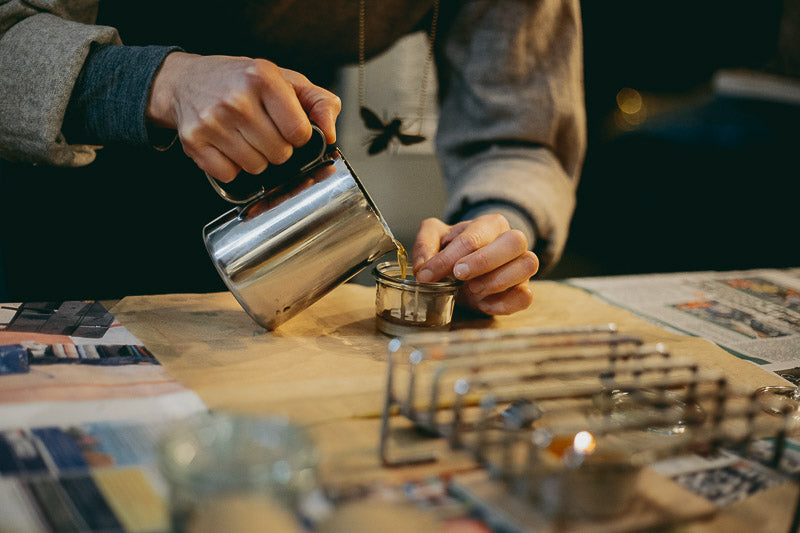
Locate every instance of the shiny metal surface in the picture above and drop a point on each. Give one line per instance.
(285, 250)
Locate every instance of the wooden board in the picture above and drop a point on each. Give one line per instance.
(328, 362)
(657, 502)
(325, 369)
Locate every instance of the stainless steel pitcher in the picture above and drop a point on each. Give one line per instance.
(308, 226)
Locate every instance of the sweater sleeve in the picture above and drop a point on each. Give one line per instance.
(512, 125)
(109, 101)
(43, 46)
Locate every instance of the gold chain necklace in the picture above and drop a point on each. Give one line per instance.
(386, 132)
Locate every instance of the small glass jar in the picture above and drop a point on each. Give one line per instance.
(236, 469)
(407, 305)
(597, 480)
(780, 400)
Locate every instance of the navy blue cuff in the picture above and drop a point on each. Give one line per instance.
(109, 101)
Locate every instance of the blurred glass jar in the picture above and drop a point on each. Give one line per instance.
(237, 472)
(579, 477)
(407, 305)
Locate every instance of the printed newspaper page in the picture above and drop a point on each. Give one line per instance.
(73, 362)
(83, 404)
(754, 314)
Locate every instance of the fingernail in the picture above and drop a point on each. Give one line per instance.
(461, 271)
(425, 276)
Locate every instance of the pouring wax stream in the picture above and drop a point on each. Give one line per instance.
(402, 258)
(402, 261)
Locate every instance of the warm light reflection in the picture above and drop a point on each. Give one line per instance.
(584, 442)
(629, 101)
(631, 109)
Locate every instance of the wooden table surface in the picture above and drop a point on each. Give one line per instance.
(326, 370)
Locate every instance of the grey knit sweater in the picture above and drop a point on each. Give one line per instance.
(512, 126)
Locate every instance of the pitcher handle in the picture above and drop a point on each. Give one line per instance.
(302, 159)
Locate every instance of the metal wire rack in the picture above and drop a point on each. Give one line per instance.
(566, 420)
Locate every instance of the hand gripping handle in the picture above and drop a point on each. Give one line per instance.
(248, 187)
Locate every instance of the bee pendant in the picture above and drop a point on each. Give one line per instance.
(380, 141)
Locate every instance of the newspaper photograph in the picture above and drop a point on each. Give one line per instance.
(754, 314)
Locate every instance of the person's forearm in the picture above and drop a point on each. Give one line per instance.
(512, 126)
(238, 113)
(109, 101)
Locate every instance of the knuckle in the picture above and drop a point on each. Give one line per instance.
(208, 159)
(438, 263)
(429, 224)
(480, 262)
(254, 167)
(470, 241)
(430, 221)
(524, 297)
(336, 103)
(262, 71)
(517, 239)
(299, 133)
(207, 121)
(189, 138)
(298, 77)
(218, 169)
(530, 262)
(235, 102)
(226, 174)
(193, 140)
(502, 221)
(495, 219)
(282, 154)
(189, 149)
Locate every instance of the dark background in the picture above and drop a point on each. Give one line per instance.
(703, 182)
(695, 182)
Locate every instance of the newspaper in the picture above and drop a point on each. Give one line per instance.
(98, 476)
(754, 314)
(725, 477)
(72, 362)
(82, 404)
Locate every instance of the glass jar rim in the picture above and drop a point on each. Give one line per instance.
(379, 272)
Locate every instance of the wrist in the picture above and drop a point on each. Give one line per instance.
(160, 105)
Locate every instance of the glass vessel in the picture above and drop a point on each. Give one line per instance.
(780, 400)
(405, 305)
(236, 469)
